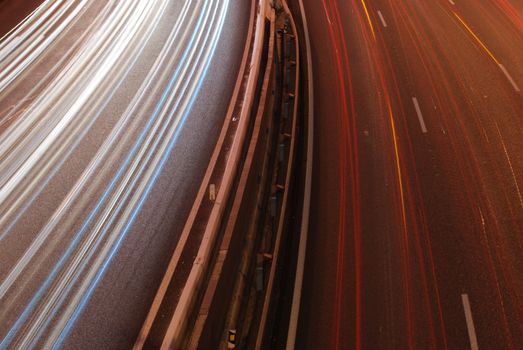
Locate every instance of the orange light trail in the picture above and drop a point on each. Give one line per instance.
(398, 167)
(478, 40)
(368, 18)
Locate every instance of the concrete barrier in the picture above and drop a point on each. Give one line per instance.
(206, 216)
(242, 218)
(267, 310)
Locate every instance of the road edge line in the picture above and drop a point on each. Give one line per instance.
(304, 232)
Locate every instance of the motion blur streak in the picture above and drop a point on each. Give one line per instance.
(369, 20)
(476, 38)
(432, 106)
(95, 100)
(348, 164)
(143, 195)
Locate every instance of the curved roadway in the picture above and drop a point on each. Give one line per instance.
(109, 111)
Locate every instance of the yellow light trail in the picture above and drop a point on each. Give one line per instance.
(368, 18)
(476, 37)
(398, 168)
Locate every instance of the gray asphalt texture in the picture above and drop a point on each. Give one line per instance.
(115, 312)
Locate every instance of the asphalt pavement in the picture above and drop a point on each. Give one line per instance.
(417, 213)
(109, 112)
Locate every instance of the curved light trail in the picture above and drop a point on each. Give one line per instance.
(50, 274)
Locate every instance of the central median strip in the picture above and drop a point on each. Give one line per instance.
(169, 317)
(221, 302)
(252, 243)
(240, 214)
(283, 178)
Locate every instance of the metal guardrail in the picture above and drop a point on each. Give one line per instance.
(237, 245)
(246, 187)
(239, 300)
(290, 52)
(257, 225)
(169, 320)
(249, 240)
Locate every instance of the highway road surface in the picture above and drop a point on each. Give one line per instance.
(417, 205)
(109, 111)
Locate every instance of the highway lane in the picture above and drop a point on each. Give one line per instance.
(109, 112)
(416, 228)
